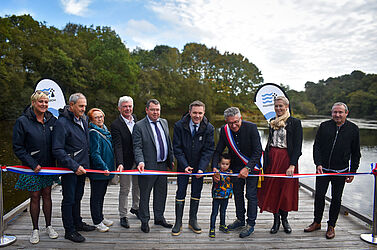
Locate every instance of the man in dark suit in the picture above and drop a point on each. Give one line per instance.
(246, 139)
(121, 131)
(193, 145)
(70, 146)
(153, 151)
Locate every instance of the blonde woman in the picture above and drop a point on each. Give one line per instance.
(280, 195)
(32, 145)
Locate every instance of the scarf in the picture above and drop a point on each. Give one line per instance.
(280, 121)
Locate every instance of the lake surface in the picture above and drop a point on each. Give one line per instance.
(357, 195)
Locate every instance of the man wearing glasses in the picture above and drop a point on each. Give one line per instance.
(243, 142)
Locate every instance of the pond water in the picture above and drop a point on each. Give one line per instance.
(358, 195)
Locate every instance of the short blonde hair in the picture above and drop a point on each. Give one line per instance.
(90, 113)
(282, 98)
(38, 95)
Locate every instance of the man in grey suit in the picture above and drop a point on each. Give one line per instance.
(153, 151)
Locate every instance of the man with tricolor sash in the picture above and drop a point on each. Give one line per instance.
(243, 142)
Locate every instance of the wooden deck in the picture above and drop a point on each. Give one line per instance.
(348, 229)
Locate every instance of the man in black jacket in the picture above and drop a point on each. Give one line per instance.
(121, 131)
(246, 139)
(336, 144)
(193, 145)
(70, 146)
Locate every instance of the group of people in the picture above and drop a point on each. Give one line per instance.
(73, 141)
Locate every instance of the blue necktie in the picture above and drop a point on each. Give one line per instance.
(194, 130)
(160, 142)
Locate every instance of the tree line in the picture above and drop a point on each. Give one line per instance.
(95, 61)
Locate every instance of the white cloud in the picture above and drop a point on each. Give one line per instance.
(76, 7)
(290, 41)
(3, 13)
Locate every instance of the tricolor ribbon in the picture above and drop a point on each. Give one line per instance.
(60, 171)
(233, 145)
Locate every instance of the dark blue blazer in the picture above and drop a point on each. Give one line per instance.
(196, 151)
(70, 142)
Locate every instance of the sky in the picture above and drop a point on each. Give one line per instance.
(290, 41)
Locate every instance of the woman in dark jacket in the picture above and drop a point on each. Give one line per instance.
(101, 158)
(280, 195)
(32, 145)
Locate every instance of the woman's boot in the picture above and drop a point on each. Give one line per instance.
(275, 227)
(284, 221)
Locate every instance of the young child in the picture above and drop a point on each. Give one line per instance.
(221, 192)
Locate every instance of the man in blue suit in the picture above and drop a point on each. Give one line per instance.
(70, 146)
(153, 151)
(193, 145)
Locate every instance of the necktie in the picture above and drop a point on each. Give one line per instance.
(194, 130)
(160, 142)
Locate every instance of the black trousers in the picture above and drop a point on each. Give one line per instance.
(196, 186)
(321, 186)
(73, 190)
(98, 190)
(159, 184)
(251, 196)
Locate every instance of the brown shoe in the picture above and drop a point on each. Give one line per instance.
(330, 232)
(313, 227)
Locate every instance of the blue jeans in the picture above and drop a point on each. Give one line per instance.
(216, 204)
(196, 186)
(73, 190)
(251, 196)
(98, 190)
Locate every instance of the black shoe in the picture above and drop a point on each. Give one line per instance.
(85, 227)
(135, 212)
(75, 237)
(163, 223)
(276, 226)
(124, 222)
(145, 227)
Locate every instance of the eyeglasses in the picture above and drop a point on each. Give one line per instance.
(98, 117)
(234, 123)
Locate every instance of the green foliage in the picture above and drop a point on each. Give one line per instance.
(358, 90)
(94, 61)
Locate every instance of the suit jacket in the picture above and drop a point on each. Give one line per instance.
(145, 144)
(122, 143)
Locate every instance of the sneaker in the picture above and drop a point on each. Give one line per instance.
(224, 229)
(236, 224)
(51, 232)
(247, 231)
(212, 233)
(34, 238)
(107, 222)
(101, 227)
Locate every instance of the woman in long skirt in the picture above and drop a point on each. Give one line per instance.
(280, 195)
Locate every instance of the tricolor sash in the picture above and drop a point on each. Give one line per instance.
(236, 150)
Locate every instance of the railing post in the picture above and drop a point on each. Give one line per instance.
(372, 238)
(5, 240)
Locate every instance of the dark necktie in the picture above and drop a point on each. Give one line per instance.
(194, 130)
(160, 142)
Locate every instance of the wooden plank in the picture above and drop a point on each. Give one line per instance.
(348, 229)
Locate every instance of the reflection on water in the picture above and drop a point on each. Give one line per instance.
(11, 196)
